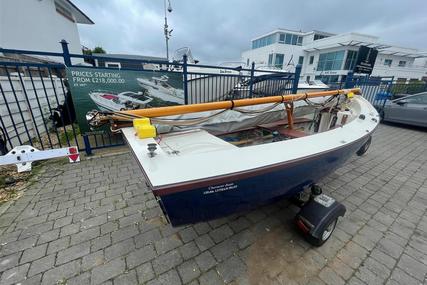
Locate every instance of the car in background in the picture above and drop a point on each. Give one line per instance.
(410, 110)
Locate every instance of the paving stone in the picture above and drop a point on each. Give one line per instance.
(126, 279)
(403, 278)
(189, 250)
(202, 228)
(94, 259)
(61, 273)
(146, 238)
(48, 236)
(33, 253)
(329, 276)
(140, 256)
(170, 277)
(145, 272)
(166, 261)
(224, 249)
(14, 274)
(221, 233)
(239, 224)
(188, 271)
(72, 253)
(109, 227)
(41, 265)
(204, 242)
(166, 244)
(85, 235)
(210, 278)
(230, 269)
(100, 243)
(383, 258)
(119, 249)
(205, 261)
(18, 245)
(9, 261)
(413, 267)
(108, 270)
(187, 234)
(58, 244)
(82, 279)
(62, 222)
(124, 233)
(95, 221)
(70, 229)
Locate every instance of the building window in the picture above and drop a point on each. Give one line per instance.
(247, 62)
(282, 38)
(288, 39)
(299, 41)
(319, 37)
(308, 79)
(350, 61)
(278, 62)
(264, 41)
(327, 79)
(330, 61)
(388, 62)
(311, 59)
(402, 63)
(113, 64)
(300, 60)
(270, 59)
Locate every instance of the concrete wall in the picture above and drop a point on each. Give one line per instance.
(36, 25)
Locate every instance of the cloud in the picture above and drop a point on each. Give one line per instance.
(218, 30)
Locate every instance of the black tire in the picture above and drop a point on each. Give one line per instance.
(364, 147)
(326, 234)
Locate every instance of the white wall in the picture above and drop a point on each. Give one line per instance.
(260, 55)
(36, 25)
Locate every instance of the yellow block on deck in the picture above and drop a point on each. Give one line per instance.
(143, 128)
(141, 122)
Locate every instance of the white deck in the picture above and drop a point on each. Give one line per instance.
(193, 155)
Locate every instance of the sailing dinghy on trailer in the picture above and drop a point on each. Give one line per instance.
(198, 175)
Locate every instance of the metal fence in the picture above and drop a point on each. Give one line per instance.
(37, 109)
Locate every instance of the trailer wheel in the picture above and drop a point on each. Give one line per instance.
(326, 233)
(364, 147)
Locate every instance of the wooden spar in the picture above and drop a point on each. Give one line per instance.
(193, 108)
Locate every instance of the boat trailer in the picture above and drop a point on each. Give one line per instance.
(318, 215)
(23, 156)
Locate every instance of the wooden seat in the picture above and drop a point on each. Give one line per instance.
(292, 133)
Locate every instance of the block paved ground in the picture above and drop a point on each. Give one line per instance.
(95, 223)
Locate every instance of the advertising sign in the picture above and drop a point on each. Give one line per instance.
(118, 90)
(365, 60)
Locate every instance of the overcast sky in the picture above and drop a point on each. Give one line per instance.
(218, 30)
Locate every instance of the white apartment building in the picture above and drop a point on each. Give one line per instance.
(330, 57)
(40, 25)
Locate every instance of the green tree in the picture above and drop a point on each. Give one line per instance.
(88, 51)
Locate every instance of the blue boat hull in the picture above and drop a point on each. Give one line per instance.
(222, 196)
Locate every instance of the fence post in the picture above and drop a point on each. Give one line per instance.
(88, 148)
(184, 71)
(296, 79)
(349, 80)
(65, 53)
(251, 86)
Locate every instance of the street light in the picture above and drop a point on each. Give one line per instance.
(166, 30)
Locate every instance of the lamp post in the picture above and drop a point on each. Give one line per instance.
(166, 28)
